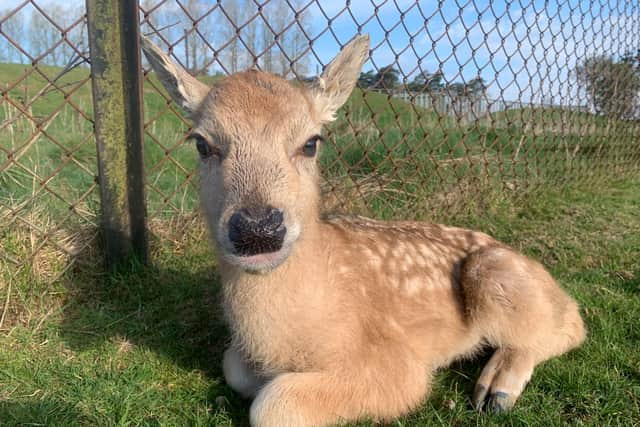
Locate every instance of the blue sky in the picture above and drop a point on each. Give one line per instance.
(524, 50)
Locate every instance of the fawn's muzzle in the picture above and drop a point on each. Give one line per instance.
(256, 230)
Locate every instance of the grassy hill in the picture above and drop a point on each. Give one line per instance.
(380, 149)
(144, 346)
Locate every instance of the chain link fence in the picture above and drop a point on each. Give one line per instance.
(460, 102)
(48, 197)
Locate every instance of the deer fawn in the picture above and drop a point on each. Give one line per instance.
(340, 318)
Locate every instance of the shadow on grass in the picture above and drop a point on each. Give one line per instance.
(172, 310)
(39, 412)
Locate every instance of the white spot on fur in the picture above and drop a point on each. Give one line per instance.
(397, 251)
(375, 261)
(395, 325)
(414, 285)
(366, 252)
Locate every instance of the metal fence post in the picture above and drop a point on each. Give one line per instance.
(117, 101)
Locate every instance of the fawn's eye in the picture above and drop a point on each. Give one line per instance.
(311, 146)
(204, 148)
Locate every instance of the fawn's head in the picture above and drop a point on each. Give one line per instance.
(258, 137)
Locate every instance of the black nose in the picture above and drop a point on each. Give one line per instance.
(256, 230)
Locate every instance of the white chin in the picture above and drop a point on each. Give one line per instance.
(260, 263)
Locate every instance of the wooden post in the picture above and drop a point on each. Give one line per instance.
(117, 103)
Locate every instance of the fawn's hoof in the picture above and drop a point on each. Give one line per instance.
(498, 401)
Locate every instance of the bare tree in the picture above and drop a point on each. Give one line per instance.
(266, 41)
(297, 41)
(235, 13)
(63, 15)
(282, 18)
(46, 33)
(14, 28)
(245, 39)
(169, 22)
(43, 36)
(252, 41)
(150, 24)
(207, 35)
(77, 36)
(285, 56)
(194, 8)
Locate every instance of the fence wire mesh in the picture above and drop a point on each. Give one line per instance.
(48, 197)
(459, 102)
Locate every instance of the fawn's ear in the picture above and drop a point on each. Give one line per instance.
(185, 89)
(334, 86)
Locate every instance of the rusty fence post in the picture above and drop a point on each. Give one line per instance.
(117, 102)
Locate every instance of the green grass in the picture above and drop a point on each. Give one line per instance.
(399, 153)
(143, 346)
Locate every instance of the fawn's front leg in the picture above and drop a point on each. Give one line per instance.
(239, 375)
(320, 399)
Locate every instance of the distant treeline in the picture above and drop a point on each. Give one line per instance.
(204, 34)
(389, 78)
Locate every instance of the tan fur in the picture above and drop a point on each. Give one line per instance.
(351, 318)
